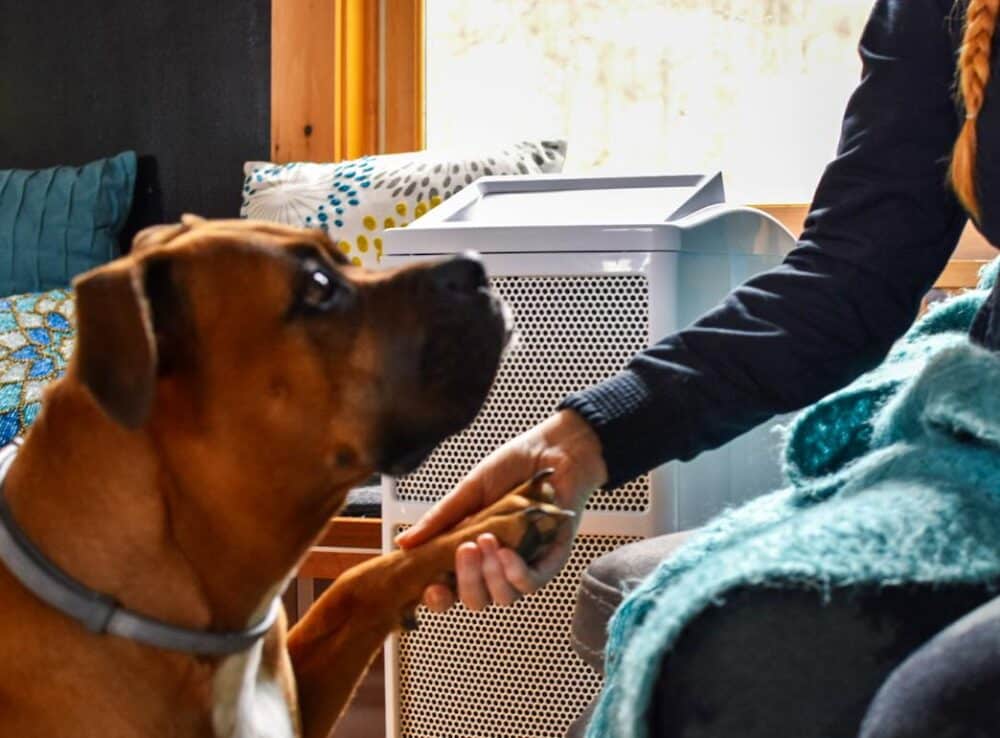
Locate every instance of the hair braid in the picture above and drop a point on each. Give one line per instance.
(973, 75)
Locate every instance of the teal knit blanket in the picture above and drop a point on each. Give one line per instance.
(892, 480)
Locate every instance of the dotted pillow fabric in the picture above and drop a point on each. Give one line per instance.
(36, 339)
(356, 201)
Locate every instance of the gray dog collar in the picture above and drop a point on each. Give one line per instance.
(100, 613)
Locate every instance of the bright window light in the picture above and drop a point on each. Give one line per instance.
(755, 88)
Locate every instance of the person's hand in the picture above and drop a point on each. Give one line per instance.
(484, 571)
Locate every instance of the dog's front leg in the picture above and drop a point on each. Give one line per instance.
(336, 640)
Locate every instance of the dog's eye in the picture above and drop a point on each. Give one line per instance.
(321, 291)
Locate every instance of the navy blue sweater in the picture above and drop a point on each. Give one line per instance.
(881, 227)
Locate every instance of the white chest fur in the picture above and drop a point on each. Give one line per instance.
(249, 702)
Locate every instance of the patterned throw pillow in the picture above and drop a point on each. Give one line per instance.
(36, 339)
(356, 201)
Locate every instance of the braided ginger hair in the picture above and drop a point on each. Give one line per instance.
(973, 74)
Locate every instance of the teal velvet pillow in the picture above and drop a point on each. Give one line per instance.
(56, 223)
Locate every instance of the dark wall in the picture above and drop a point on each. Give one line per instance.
(185, 83)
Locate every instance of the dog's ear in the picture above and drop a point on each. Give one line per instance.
(160, 235)
(115, 353)
(191, 220)
(156, 235)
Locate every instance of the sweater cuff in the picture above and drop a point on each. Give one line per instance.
(621, 411)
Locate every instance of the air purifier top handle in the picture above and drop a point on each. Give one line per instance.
(557, 214)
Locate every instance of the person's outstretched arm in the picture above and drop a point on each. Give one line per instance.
(882, 225)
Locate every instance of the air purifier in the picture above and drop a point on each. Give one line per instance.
(595, 269)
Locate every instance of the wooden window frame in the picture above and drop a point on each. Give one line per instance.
(347, 78)
(972, 252)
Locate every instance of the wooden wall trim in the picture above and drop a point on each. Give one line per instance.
(347, 78)
(403, 75)
(972, 253)
(960, 274)
(356, 44)
(303, 80)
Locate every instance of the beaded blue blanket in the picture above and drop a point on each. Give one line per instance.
(36, 339)
(893, 480)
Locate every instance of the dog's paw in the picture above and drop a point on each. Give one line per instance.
(526, 519)
(543, 524)
(536, 491)
(538, 488)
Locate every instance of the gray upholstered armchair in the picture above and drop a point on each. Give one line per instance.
(911, 662)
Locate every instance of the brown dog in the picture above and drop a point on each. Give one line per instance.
(231, 381)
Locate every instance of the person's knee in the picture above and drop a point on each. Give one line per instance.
(768, 662)
(948, 687)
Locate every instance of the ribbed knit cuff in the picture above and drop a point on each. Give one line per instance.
(634, 427)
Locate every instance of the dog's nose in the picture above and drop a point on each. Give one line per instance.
(461, 275)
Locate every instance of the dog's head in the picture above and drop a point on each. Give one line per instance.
(259, 340)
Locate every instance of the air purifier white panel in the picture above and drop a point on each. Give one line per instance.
(587, 294)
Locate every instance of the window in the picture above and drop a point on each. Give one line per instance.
(756, 88)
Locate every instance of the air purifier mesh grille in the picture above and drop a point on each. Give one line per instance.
(573, 331)
(504, 671)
